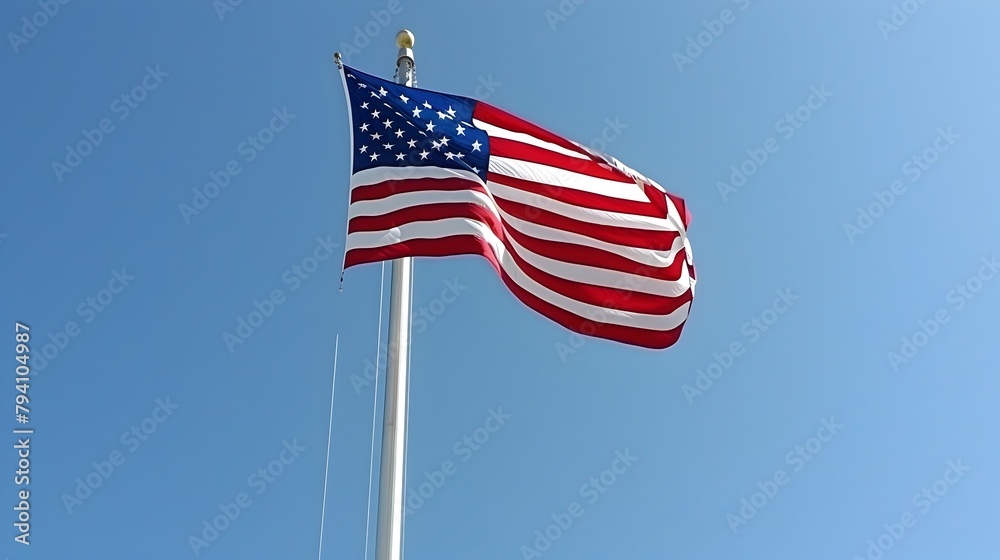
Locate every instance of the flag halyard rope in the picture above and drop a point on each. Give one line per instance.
(329, 435)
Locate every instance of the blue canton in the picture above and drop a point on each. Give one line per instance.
(400, 126)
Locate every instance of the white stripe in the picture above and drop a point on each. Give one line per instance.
(461, 226)
(614, 162)
(494, 130)
(399, 201)
(604, 277)
(590, 215)
(380, 174)
(565, 270)
(673, 222)
(377, 175)
(648, 257)
(550, 175)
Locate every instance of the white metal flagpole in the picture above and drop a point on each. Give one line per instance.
(389, 530)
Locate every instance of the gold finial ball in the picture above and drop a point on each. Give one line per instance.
(404, 39)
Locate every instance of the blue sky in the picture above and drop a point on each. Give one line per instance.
(869, 227)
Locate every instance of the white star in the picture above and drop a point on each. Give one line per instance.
(475, 169)
(435, 144)
(430, 127)
(382, 91)
(404, 98)
(400, 157)
(364, 105)
(363, 149)
(449, 155)
(387, 123)
(460, 155)
(442, 115)
(475, 146)
(411, 143)
(427, 105)
(399, 133)
(374, 156)
(416, 112)
(424, 154)
(387, 146)
(361, 85)
(375, 114)
(376, 136)
(375, 95)
(460, 130)
(364, 127)
(451, 111)
(444, 140)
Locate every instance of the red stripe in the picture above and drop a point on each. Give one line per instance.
(388, 188)
(682, 209)
(471, 245)
(656, 240)
(441, 247)
(597, 258)
(620, 297)
(585, 199)
(556, 250)
(510, 148)
(502, 119)
(427, 213)
(619, 333)
(502, 147)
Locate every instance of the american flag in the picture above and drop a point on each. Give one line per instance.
(575, 234)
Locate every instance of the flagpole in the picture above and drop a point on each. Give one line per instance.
(389, 529)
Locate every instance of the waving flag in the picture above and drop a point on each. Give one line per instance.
(575, 235)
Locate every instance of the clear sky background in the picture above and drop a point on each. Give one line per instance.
(212, 80)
